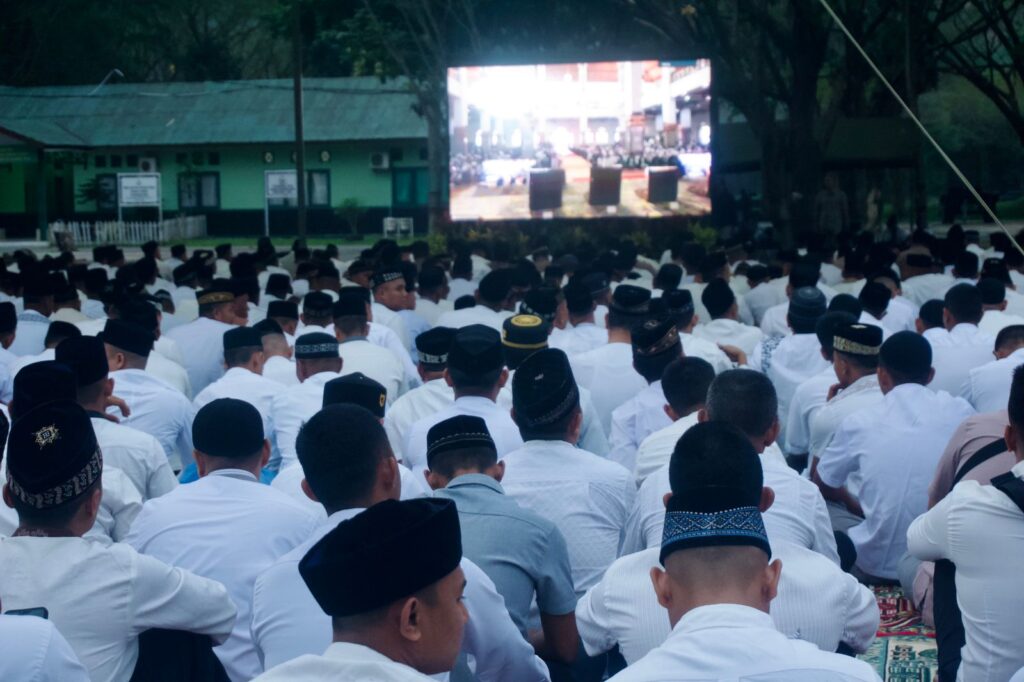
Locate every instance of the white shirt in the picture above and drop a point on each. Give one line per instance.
(499, 423)
(980, 530)
(954, 355)
(895, 446)
(226, 527)
(26, 360)
(656, 450)
(587, 497)
(343, 662)
(32, 650)
(696, 347)
(292, 408)
(922, 288)
(580, 338)
(389, 318)
(798, 516)
(808, 398)
(156, 409)
(170, 372)
(289, 481)
(281, 370)
(634, 420)
(202, 345)
(988, 387)
(793, 360)
(431, 311)
(458, 287)
(385, 338)
(607, 372)
(776, 320)
(478, 314)
(30, 334)
(817, 603)
(241, 384)
(381, 365)
(101, 597)
(764, 296)
(93, 309)
(288, 623)
(862, 393)
(733, 642)
(417, 404)
(137, 454)
(730, 333)
(994, 321)
(900, 315)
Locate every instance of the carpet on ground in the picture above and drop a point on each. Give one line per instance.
(904, 650)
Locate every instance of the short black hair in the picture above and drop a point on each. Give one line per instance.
(826, 326)
(464, 381)
(339, 449)
(472, 458)
(59, 331)
(846, 303)
(552, 431)
(236, 357)
(1010, 337)
(966, 265)
(931, 313)
(669, 276)
(619, 320)
(744, 398)
(963, 302)
(54, 517)
(652, 367)
(685, 383)
(1015, 406)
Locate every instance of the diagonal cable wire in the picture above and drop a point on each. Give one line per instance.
(917, 122)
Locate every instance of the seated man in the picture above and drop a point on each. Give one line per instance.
(718, 581)
(100, 596)
(524, 554)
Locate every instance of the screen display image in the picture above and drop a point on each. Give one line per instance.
(581, 140)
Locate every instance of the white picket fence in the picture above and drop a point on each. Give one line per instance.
(82, 234)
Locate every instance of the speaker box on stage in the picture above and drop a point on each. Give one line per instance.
(662, 184)
(546, 189)
(606, 186)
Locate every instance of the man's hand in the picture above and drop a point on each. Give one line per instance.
(121, 405)
(832, 391)
(735, 354)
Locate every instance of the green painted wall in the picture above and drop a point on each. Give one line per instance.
(241, 170)
(12, 187)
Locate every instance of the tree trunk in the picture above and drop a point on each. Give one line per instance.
(437, 163)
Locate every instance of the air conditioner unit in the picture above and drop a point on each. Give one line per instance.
(147, 164)
(380, 161)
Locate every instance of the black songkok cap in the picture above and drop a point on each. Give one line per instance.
(678, 302)
(8, 317)
(496, 286)
(540, 302)
(129, 337)
(857, 339)
(41, 383)
(874, 296)
(65, 294)
(357, 291)
(476, 350)
(993, 291)
(242, 337)
(578, 298)
(349, 305)
(183, 274)
(37, 285)
(277, 281)
(807, 304)
(716, 481)
(908, 353)
(228, 427)
(356, 389)
(289, 310)
(544, 389)
(524, 332)
(385, 274)
(919, 260)
(316, 345)
(717, 297)
(595, 282)
(433, 345)
(630, 300)
(52, 455)
(655, 337)
(266, 327)
(86, 357)
(363, 564)
(317, 304)
(96, 278)
(845, 303)
(458, 433)
(219, 291)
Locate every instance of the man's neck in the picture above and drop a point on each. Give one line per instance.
(586, 319)
(434, 297)
(27, 531)
(135, 365)
(496, 307)
(619, 335)
(491, 394)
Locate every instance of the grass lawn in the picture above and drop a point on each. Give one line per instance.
(285, 243)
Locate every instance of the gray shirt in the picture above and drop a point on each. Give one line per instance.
(524, 554)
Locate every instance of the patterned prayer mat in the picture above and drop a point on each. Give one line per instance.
(905, 648)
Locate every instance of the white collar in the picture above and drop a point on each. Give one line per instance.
(321, 378)
(238, 474)
(721, 616)
(480, 401)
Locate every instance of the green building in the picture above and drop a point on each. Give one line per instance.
(61, 149)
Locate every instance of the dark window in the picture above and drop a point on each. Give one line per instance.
(395, 153)
(214, 158)
(106, 192)
(115, 160)
(197, 158)
(408, 187)
(181, 158)
(100, 161)
(132, 160)
(423, 154)
(318, 188)
(198, 191)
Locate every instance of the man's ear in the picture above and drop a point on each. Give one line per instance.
(503, 379)
(773, 432)
(497, 471)
(434, 480)
(670, 412)
(662, 587)
(665, 498)
(702, 415)
(931, 375)
(8, 498)
(448, 378)
(265, 457)
(308, 491)
(767, 499)
(1009, 436)
(410, 625)
(773, 571)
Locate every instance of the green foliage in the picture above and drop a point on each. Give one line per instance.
(349, 212)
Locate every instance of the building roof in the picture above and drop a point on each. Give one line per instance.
(232, 112)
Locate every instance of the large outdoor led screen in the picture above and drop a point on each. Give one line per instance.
(580, 140)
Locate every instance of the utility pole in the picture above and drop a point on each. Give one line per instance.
(300, 152)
